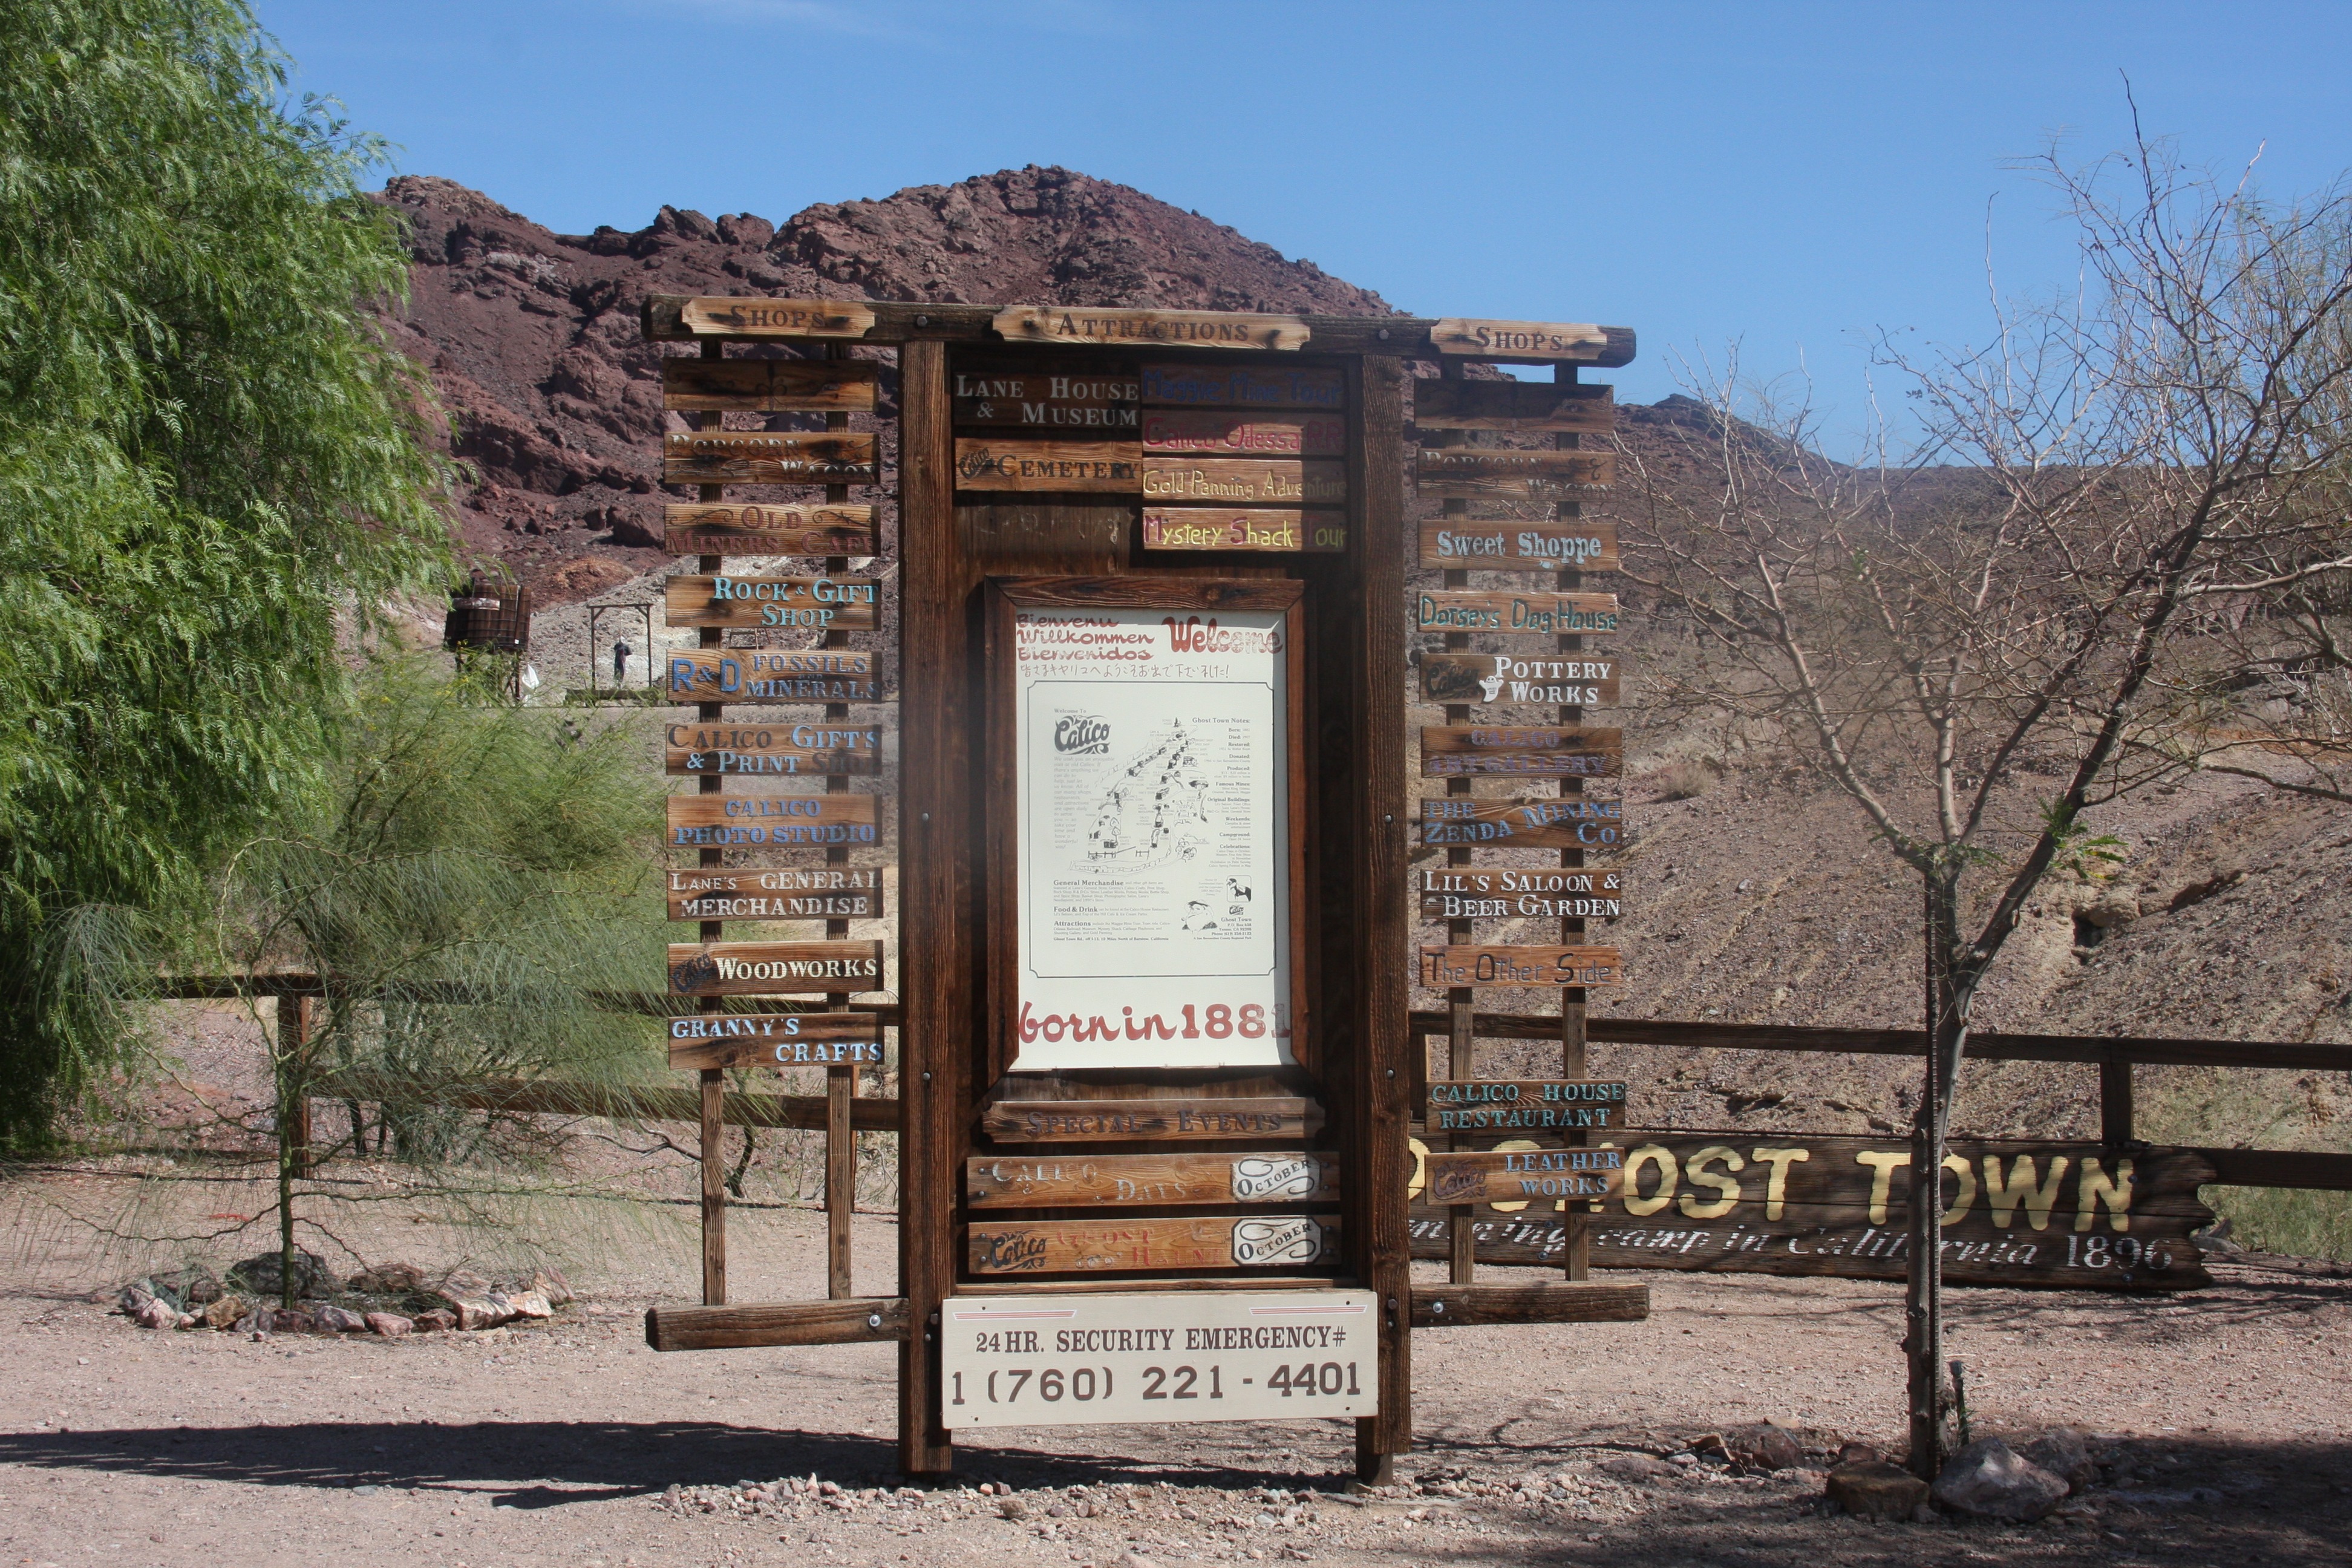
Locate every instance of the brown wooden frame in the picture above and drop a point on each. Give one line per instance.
(1206, 595)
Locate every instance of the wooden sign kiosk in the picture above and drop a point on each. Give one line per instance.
(1153, 695)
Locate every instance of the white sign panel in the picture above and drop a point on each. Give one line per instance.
(1182, 1355)
(1153, 754)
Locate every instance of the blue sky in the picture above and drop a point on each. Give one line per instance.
(1792, 177)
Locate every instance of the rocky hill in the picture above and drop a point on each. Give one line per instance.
(532, 336)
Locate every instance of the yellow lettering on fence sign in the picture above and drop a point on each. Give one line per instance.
(1776, 1186)
(2039, 1197)
(1881, 1182)
(1663, 1158)
(1696, 1168)
(2094, 1186)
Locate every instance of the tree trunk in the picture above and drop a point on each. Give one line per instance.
(1948, 989)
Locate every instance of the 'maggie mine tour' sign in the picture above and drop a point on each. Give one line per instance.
(2071, 1214)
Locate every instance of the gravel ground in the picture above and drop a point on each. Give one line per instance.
(2222, 1415)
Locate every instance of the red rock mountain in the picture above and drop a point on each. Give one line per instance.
(532, 338)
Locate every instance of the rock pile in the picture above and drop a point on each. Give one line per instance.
(195, 1299)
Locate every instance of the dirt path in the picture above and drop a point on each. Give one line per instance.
(2226, 1410)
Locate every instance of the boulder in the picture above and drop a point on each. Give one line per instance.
(226, 1311)
(289, 1320)
(262, 1274)
(134, 1297)
(1638, 1467)
(190, 1286)
(1872, 1488)
(386, 1279)
(1764, 1447)
(2064, 1452)
(551, 1284)
(340, 1320)
(391, 1325)
(463, 1282)
(475, 1312)
(528, 1304)
(440, 1320)
(1988, 1480)
(157, 1314)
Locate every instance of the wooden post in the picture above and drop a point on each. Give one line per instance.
(1576, 1228)
(714, 1082)
(1461, 1001)
(2116, 1102)
(294, 1106)
(840, 1082)
(936, 867)
(1378, 1239)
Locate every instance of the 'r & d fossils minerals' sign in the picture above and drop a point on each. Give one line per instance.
(1153, 831)
(1180, 1355)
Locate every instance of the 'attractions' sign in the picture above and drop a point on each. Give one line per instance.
(1187, 328)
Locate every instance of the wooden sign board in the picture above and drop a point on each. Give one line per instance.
(818, 604)
(1043, 399)
(774, 750)
(1563, 822)
(1461, 543)
(1114, 1181)
(1527, 407)
(1187, 328)
(2063, 1215)
(1246, 481)
(1216, 527)
(772, 968)
(733, 530)
(1476, 473)
(1566, 679)
(771, 385)
(722, 316)
(1541, 751)
(725, 1040)
(1244, 386)
(793, 893)
(1444, 967)
(1134, 1246)
(1536, 1105)
(1114, 1121)
(1142, 1356)
(1513, 892)
(1561, 1173)
(779, 675)
(776, 821)
(1547, 614)
(1214, 435)
(1083, 467)
(769, 457)
(1515, 342)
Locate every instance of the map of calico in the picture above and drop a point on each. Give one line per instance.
(1158, 811)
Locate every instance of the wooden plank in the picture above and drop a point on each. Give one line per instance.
(1518, 342)
(1048, 398)
(772, 968)
(1167, 1117)
(771, 385)
(1534, 612)
(1216, 527)
(773, 676)
(1483, 472)
(1112, 1181)
(774, 1039)
(702, 528)
(1512, 892)
(1526, 407)
(2309, 1170)
(1484, 1177)
(1044, 531)
(819, 603)
(775, 821)
(788, 893)
(1524, 751)
(731, 317)
(854, 1320)
(532, 1096)
(1244, 386)
(1533, 966)
(769, 457)
(1185, 328)
(1091, 467)
(1436, 1306)
(1133, 1246)
(1569, 680)
(1562, 822)
(773, 751)
(1245, 482)
(1215, 435)
(1466, 543)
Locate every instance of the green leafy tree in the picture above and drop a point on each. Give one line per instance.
(210, 476)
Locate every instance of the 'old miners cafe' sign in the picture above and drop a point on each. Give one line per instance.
(1166, 882)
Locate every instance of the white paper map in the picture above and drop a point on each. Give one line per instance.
(1152, 839)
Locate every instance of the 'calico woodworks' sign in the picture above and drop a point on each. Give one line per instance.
(2016, 1213)
(772, 968)
(1467, 544)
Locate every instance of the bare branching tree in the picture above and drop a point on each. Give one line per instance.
(2119, 551)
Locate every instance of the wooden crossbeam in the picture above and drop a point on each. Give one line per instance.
(850, 1319)
(1438, 1306)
